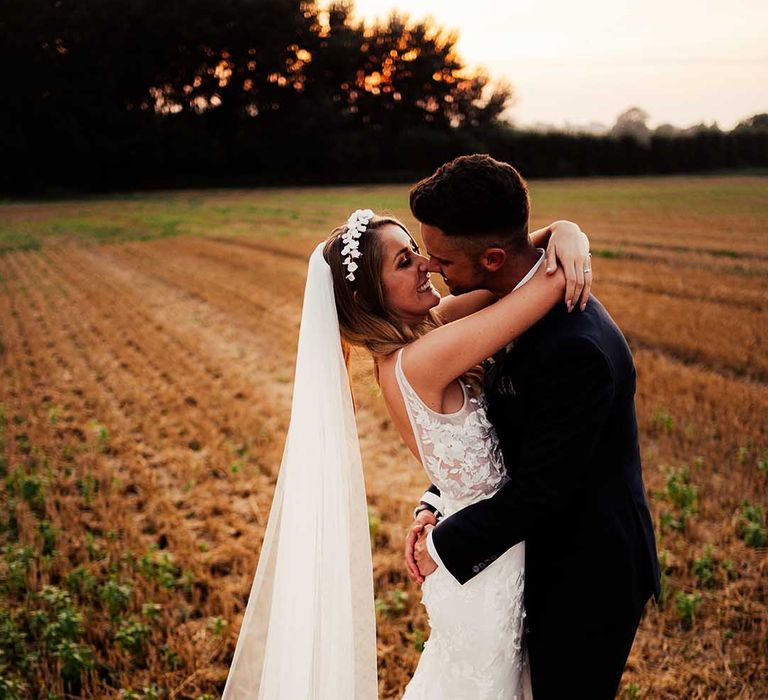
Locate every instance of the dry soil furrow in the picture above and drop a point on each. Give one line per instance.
(753, 305)
(732, 341)
(110, 376)
(114, 513)
(734, 253)
(272, 283)
(666, 280)
(68, 392)
(260, 246)
(215, 333)
(687, 415)
(166, 368)
(248, 316)
(683, 261)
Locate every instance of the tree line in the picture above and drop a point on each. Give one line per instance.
(113, 94)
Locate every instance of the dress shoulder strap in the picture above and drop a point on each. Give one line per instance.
(413, 404)
(413, 401)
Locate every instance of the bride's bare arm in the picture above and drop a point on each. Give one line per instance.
(453, 307)
(433, 361)
(566, 245)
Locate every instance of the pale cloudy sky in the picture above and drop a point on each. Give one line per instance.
(582, 61)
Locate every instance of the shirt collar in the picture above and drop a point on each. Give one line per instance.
(532, 271)
(525, 279)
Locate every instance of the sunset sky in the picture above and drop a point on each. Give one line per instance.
(683, 61)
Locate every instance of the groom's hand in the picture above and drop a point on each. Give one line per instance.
(423, 519)
(424, 561)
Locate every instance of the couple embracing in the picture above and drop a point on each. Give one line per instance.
(534, 543)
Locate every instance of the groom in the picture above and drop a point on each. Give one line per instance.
(562, 402)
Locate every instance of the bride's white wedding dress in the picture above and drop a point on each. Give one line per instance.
(476, 649)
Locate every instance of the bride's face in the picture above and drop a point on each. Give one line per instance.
(405, 275)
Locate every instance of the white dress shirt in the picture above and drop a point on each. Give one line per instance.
(432, 498)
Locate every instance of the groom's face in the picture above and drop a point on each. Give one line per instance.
(447, 257)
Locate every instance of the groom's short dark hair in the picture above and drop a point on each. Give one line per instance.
(474, 195)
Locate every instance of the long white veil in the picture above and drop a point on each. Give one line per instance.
(309, 630)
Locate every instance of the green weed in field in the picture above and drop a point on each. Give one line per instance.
(393, 603)
(159, 566)
(663, 421)
(18, 240)
(9, 525)
(53, 414)
(102, 434)
(418, 639)
(95, 551)
(22, 443)
(762, 463)
(11, 687)
(664, 582)
(374, 523)
(81, 582)
(87, 487)
(151, 611)
(609, 254)
(32, 490)
(12, 640)
(116, 596)
(147, 692)
(752, 526)
(47, 534)
(217, 625)
(76, 659)
(132, 636)
(730, 571)
(17, 562)
(171, 659)
(686, 606)
(704, 569)
(682, 495)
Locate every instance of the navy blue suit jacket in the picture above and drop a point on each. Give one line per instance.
(562, 403)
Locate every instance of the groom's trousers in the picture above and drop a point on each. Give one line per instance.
(580, 656)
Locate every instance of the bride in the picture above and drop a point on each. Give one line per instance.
(309, 627)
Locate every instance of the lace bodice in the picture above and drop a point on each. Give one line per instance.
(476, 645)
(460, 451)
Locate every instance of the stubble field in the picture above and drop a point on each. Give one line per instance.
(146, 360)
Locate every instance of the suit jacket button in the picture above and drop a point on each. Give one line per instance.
(475, 568)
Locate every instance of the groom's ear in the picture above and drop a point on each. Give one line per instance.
(493, 259)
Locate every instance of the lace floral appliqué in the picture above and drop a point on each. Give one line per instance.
(476, 646)
(460, 451)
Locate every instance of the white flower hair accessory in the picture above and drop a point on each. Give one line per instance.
(356, 225)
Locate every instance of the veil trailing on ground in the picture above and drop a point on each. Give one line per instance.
(309, 630)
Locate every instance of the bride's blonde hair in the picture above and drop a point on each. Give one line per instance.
(365, 319)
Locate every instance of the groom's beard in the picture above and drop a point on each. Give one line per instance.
(457, 290)
(479, 280)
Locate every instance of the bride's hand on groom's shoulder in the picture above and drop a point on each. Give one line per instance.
(568, 248)
(417, 534)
